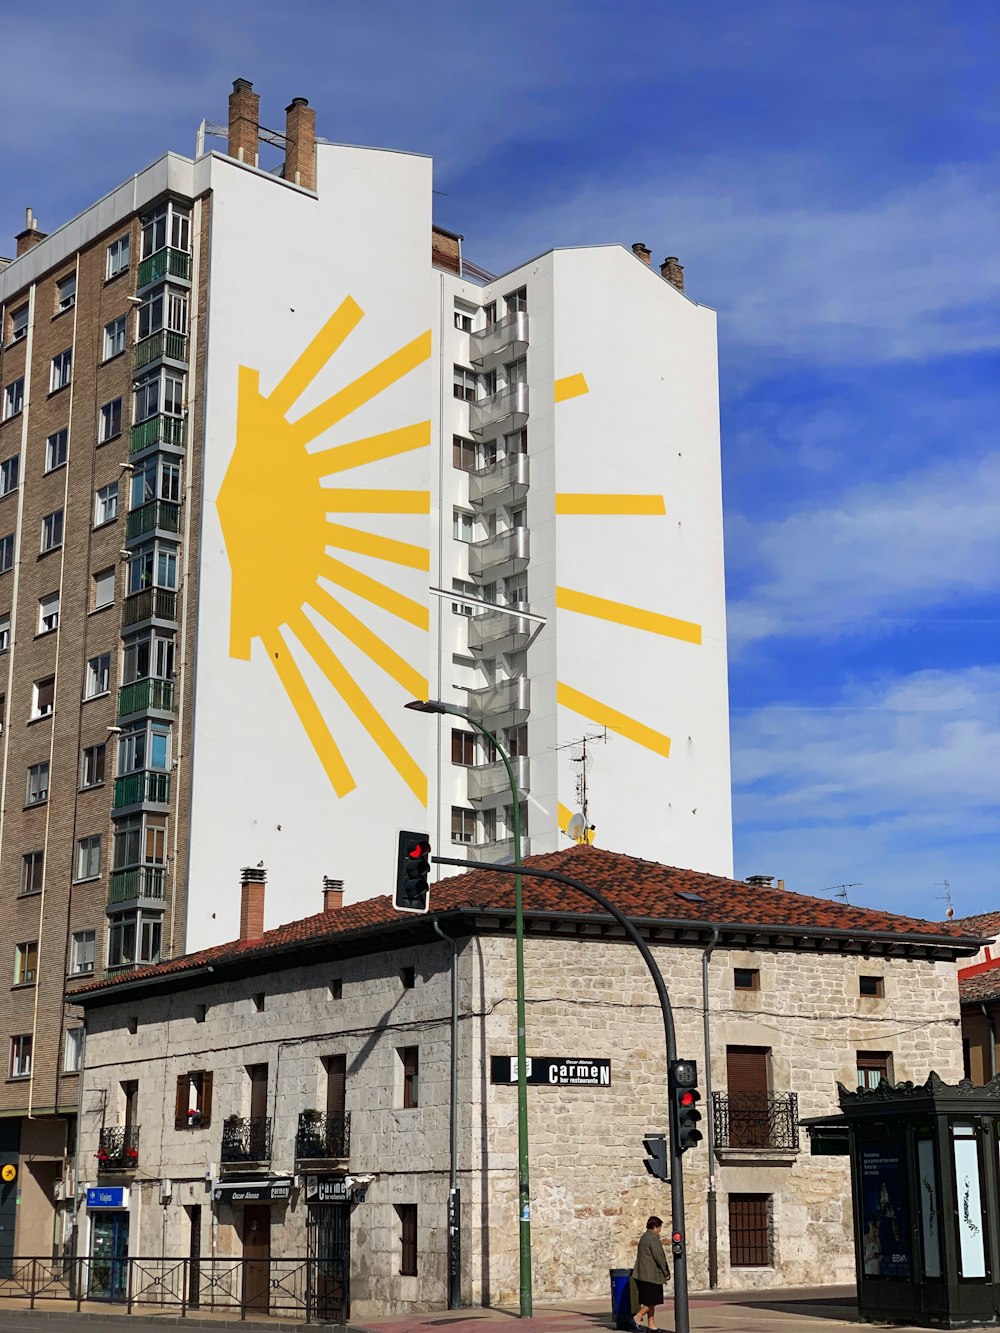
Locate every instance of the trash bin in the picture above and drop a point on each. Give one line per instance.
(621, 1303)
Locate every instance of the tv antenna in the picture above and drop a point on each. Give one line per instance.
(946, 896)
(580, 824)
(840, 890)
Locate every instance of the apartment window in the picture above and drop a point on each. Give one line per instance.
(463, 322)
(25, 963)
(6, 553)
(66, 293)
(873, 1067)
(165, 308)
(516, 740)
(48, 613)
(463, 525)
(118, 256)
(469, 590)
(872, 987)
(463, 824)
(114, 338)
(152, 565)
(193, 1100)
(13, 398)
(259, 1002)
(508, 818)
(750, 1232)
(144, 745)
(746, 978)
(20, 1056)
(43, 697)
(516, 301)
(88, 858)
(408, 976)
(106, 504)
(19, 324)
(9, 470)
(464, 383)
(134, 937)
(92, 766)
(62, 370)
(52, 531)
(148, 655)
(516, 372)
(38, 784)
(103, 589)
(159, 392)
(337, 988)
(73, 1051)
(98, 676)
(463, 454)
(156, 478)
(490, 311)
(32, 872)
(82, 951)
(409, 1059)
(4, 633)
(110, 421)
(170, 225)
(57, 450)
(517, 441)
(140, 840)
(407, 1214)
(463, 747)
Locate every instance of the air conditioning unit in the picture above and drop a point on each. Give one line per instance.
(166, 1191)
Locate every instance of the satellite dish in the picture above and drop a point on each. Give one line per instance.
(576, 828)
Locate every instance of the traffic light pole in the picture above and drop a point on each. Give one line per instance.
(682, 1320)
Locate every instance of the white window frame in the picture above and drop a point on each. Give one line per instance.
(464, 378)
(66, 292)
(468, 818)
(146, 941)
(463, 525)
(98, 676)
(109, 423)
(83, 958)
(114, 337)
(13, 398)
(73, 1051)
(4, 632)
(30, 861)
(48, 613)
(119, 253)
(463, 587)
(85, 764)
(10, 473)
(62, 370)
(23, 974)
(57, 449)
(6, 553)
(104, 582)
(52, 531)
(106, 504)
(20, 1056)
(19, 324)
(88, 858)
(39, 709)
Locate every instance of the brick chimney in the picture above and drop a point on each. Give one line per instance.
(253, 881)
(642, 252)
(29, 238)
(300, 146)
(244, 122)
(333, 894)
(673, 271)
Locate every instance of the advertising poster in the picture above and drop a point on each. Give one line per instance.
(929, 1211)
(885, 1213)
(971, 1241)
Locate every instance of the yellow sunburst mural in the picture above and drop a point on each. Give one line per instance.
(279, 537)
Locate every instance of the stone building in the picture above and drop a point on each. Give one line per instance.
(979, 993)
(288, 1093)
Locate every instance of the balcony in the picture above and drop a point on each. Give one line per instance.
(498, 853)
(500, 413)
(118, 1148)
(246, 1143)
(143, 696)
(506, 340)
(166, 263)
(323, 1138)
(756, 1120)
(487, 781)
(499, 632)
(498, 557)
(150, 604)
(157, 430)
(165, 345)
(142, 883)
(153, 516)
(505, 704)
(143, 788)
(502, 484)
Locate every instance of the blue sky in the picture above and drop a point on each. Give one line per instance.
(827, 172)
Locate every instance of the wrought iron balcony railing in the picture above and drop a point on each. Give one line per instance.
(159, 429)
(505, 340)
(141, 695)
(118, 1148)
(323, 1136)
(166, 263)
(126, 886)
(501, 412)
(150, 604)
(163, 344)
(246, 1140)
(164, 515)
(756, 1119)
(142, 787)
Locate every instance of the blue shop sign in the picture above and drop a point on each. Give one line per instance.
(110, 1196)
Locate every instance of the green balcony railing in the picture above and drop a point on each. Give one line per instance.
(150, 604)
(166, 263)
(162, 514)
(157, 345)
(135, 788)
(143, 694)
(160, 429)
(126, 886)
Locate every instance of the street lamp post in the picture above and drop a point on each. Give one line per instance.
(523, 1190)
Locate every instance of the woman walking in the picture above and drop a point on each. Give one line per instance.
(650, 1272)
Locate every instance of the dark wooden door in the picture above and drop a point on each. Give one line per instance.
(256, 1256)
(194, 1254)
(747, 1096)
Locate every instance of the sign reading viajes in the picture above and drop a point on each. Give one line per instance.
(557, 1071)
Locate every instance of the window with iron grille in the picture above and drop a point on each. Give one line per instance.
(751, 1238)
(407, 1213)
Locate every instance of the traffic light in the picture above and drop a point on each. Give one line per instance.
(684, 1099)
(656, 1162)
(413, 866)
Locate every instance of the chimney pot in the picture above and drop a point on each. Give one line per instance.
(244, 122)
(30, 237)
(253, 881)
(242, 86)
(642, 252)
(760, 881)
(297, 101)
(333, 894)
(673, 271)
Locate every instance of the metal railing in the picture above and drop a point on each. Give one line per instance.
(756, 1119)
(498, 852)
(501, 483)
(143, 786)
(162, 514)
(496, 629)
(159, 429)
(167, 262)
(510, 551)
(118, 1148)
(508, 335)
(510, 405)
(491, 779)
(150, 604)
(140, 695)
(164, 343)
(246, 1140)
(503, 704)
(323, 1136)
(140, 882)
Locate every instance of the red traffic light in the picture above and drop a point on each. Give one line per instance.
(688, 1098)
(418, 850)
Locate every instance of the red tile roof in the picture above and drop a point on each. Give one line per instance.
(644, 890)
(986, 924)
(981, 986)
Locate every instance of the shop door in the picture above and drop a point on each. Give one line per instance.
(194, 1255)
(329, 1239)
(256, 1256)
(108, 1256)
(747, 1097)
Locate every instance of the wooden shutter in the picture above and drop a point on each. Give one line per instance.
(206, 1098)
(746, 1069)
(336, 1079)
(181, 1102)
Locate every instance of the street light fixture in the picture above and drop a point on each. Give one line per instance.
(523, 1192)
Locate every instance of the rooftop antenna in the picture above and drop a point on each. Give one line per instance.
(946, 897)
(840, 890)
(583, 828)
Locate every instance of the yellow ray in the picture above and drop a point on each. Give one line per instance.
(311, 361)
(327, 606)
(620, 614)
(564, 816)
(361, 390)
(570, 386)
(568, 502)
(606, 716)
(308, 713)
(380, 548)
(360, 705)
(396, 603)
(340, 500)
(388, 444)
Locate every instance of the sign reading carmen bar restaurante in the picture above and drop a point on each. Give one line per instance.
(558, 1071)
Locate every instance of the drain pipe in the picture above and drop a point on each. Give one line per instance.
(992, 1028)
(454, 1197)
(713, 1218)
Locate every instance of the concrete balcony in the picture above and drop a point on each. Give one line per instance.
(500, 413)
(502, 484)
(147, 695)
(156, 431)
(506, 340)
(164, 345)
(506, 704)
(152, 517)
(493, 632)
(150, 604)
(497, 557)
(489, 782)
(141, 884)
(165, 263)
(500, 852)
(144, 787)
